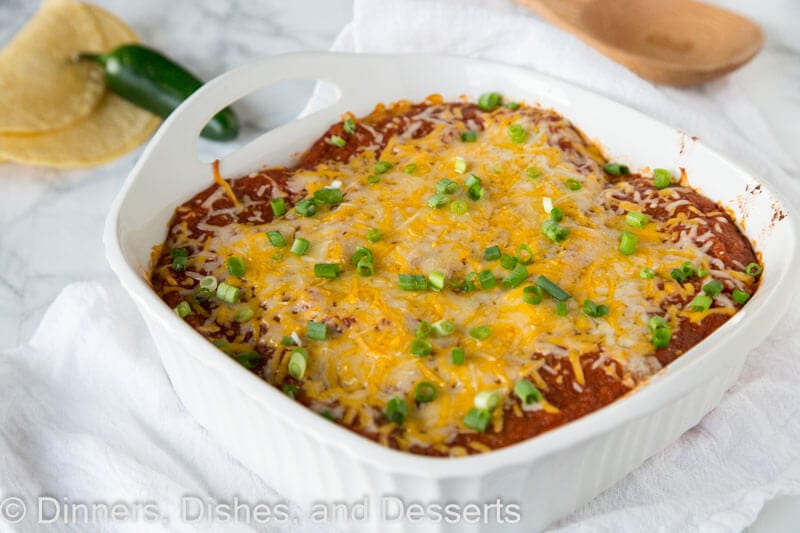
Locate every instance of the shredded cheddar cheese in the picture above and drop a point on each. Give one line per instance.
(366, 360)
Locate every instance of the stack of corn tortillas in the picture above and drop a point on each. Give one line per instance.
(55, 111)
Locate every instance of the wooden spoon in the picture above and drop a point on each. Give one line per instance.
(672, 42)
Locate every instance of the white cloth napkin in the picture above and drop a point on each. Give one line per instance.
(87, 413)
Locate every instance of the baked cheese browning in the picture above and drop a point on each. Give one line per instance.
(403, 279)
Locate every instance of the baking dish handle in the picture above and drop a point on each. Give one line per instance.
(184, 125)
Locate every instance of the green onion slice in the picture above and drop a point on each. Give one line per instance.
(487, 279)
(532, 294)
(489, 101)
(516, 278)
(527, 392)
(636, 219)
(249, 359)
(183, 309)
(382, 167)
(276, 238)
(326, 270)
(477, 419)
(307, 207)
(480, 333)
(317, 331)
(412, 282)
(374, 235)
(713, 288)
(299, 246)
(329, 196)
(457, 356)
(278, 206)
(396, 410)
(662, 178)
(627, 243)
(298, 362)
(487, 400)
(228, 293)
(425, 392)
(552, 289)
(753, 270)
(421, 347)
(491, 253)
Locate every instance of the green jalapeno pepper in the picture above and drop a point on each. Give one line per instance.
(149, 80)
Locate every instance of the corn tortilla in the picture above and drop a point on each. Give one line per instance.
(113, 129)
(40, 87)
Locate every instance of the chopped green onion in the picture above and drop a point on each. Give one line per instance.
(329, 196)
(299, 246)
(438, 200)
(533, 172)
(208, 283)
(424, 330)
(547, 204)
(491, 253)
(660, 330)
(236, 266)
(228, 293)
(290, 390)
(713, 287)
(661, 178)
(573, 184)
(647, 273)
(532, 294)
(556, 214)
(739, 297)
(487, 279)
(288, 341)
(249, 359)
(361, 253)
(382, 167)
(487, 400)
(421, 348)
(328, 415)
(702, 272)
(476, 192)
(365, 267)
(516, 278)
(317, 331)
(517, 134)
(524, 254)
(469, 136)
(410, 168)
(424, 392)
(480, 332)
(436, 280)
(527, 392)
(180, 259)
(446, 186)
(243, 315)
(337, 141)
(678, 275)
(460, 165)
(276, 238)
(396, 410)
(561, 309)
(593, 310)
(513, 106)
(616, 169)
(661, 337)
(457, 356)
(298, 362)
(278, 206)
(753, 269)
(326, 270)
(508, 261)
(627, 243)
(412, 282)
(373, 179)
(307, 207)
(469, 282)
(202, 295)
(472, 180)
(554, 231)
(443, 328)
(701, 302)
(636, 219)
(552, 289)
(183, 309)
(477, 419)
(459, 207)
(489, 101)
(349, 126)
(374, 235)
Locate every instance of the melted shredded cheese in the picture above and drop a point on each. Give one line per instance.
(366, 359)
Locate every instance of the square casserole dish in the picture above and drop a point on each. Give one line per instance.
(307, 458)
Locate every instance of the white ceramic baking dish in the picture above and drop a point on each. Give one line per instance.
(309, 459)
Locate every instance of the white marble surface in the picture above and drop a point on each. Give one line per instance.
(52, 220)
